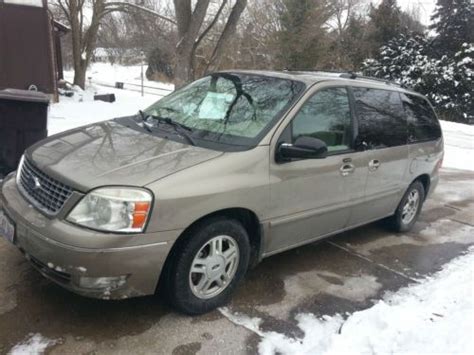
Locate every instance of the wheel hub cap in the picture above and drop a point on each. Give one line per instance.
(411, 207)
(214, 267)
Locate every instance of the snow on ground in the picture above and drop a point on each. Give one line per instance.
(35, 344)
(108, 73)
(459, 145)
(81, 109)
(435, 316)
(71, 112)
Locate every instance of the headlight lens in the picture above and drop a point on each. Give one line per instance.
(112, 209)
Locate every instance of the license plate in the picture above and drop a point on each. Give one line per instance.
(7, 228)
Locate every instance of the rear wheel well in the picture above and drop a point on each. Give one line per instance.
(425, 180)
(246, 217)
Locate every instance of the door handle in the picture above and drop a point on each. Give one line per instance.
(347, 169)
(374, 164)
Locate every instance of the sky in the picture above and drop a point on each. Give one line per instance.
(425, 8)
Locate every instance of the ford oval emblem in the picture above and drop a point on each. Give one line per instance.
(37, 183)
(34, 183)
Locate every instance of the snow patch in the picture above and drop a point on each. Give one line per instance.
(59, 269)
(33, 345)
(252, 324)
(435, 316)
(459, 145)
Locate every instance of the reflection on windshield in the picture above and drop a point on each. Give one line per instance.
(229, 108)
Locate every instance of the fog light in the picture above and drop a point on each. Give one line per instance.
(103, 283)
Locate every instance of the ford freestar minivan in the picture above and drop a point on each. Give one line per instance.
(234, 167)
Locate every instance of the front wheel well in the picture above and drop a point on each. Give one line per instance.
(245, 216)
(249, 220)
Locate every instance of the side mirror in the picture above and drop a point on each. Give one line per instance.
(304, 148)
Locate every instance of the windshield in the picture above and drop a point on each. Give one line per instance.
(228, 109)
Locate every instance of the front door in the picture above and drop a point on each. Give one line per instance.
(310, 198)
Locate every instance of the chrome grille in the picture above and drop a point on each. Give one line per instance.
(46, 193)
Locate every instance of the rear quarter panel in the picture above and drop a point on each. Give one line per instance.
(424, 158)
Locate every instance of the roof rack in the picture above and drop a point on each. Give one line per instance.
(352, 75)
(349, 75)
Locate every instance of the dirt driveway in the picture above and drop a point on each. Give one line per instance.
(343, 274)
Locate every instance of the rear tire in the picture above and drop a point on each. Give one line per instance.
(208, 265)
(409, 208)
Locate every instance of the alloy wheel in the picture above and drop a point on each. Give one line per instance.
(411, 207)
(214, 267)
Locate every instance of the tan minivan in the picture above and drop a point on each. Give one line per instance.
(234, 167)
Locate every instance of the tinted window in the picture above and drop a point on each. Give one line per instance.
(422, 122)
(382, 122)
(326, 116)
(229, 108)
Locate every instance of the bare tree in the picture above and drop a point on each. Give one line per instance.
(255, 39)
(190, 23)
(343, 12)
(83, 32)
(346, 17)
(191, 31)
(85, 17)
(125, 35)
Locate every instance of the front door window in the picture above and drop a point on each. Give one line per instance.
(326, 116)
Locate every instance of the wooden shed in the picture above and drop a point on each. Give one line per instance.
(30, 46)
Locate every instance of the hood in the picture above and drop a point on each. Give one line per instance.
(109, 153)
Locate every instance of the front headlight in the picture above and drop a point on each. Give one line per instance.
(113, 209)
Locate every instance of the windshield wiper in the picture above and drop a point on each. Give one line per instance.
(179, 128)
(144, 120)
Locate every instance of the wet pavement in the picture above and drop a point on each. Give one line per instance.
(343, 274)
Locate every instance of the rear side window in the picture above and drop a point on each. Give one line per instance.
(422, 122)
(382, 122)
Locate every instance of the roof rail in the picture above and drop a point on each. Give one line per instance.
(346, 75)
(331, 71)
(352, 75)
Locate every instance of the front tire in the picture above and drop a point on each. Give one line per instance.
(208, 265)
(409, 208)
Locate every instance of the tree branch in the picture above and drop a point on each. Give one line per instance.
(121, 6)
(228, 32)
(211, 25)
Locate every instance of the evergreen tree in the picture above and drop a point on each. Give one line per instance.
(447, 81)
(354, 46)
(384, 23)
(453, 24)
(402, 60)
(303, 37)
(462, 85)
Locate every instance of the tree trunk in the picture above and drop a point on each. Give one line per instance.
(83, 42)
(227, 34)
(189, 24)
(184, 71)
(80, 74)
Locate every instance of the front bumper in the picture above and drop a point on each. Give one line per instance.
(61, 252)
